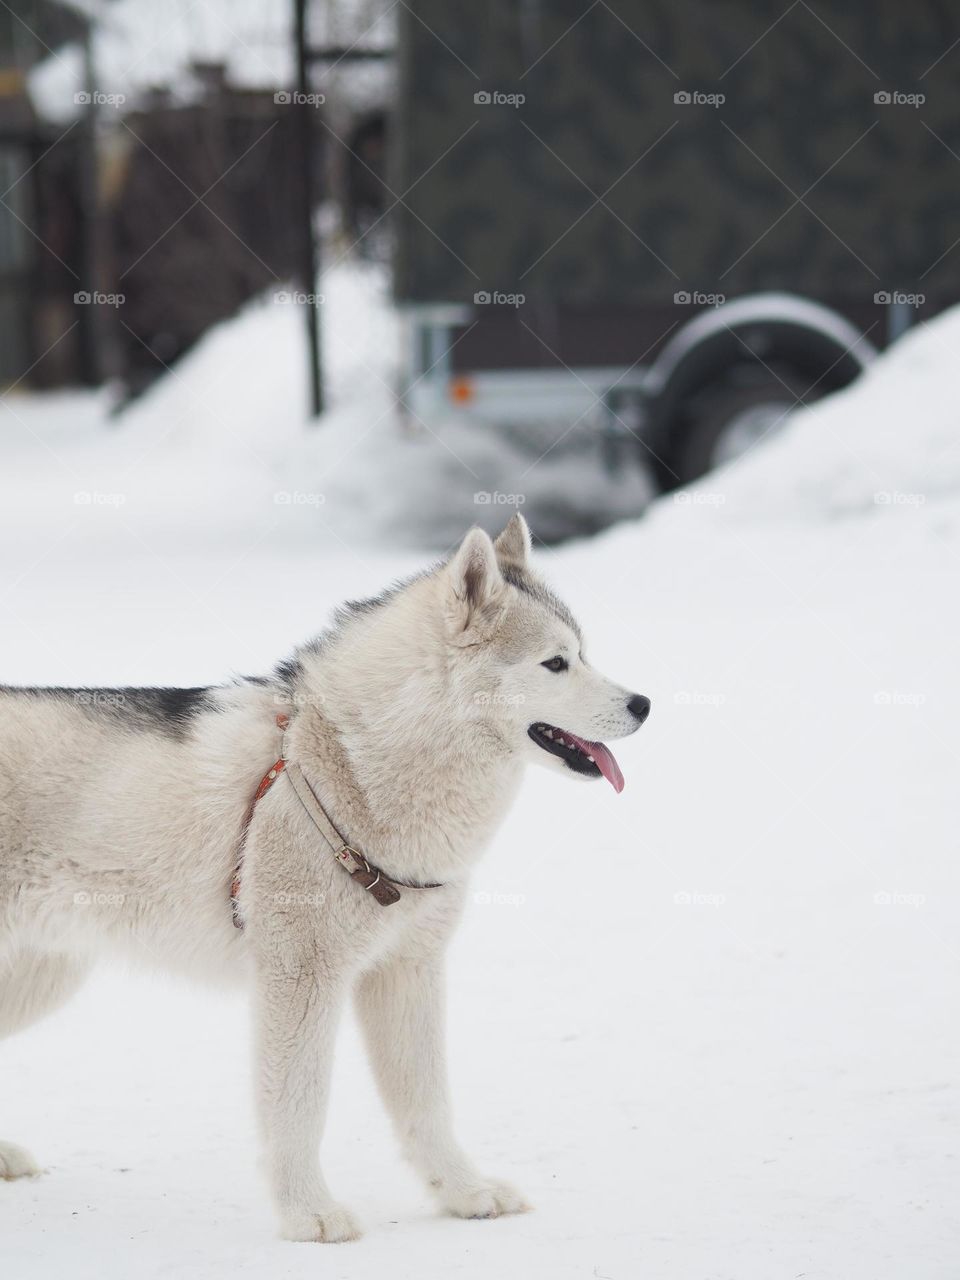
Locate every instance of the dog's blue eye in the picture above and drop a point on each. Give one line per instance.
(555, 664)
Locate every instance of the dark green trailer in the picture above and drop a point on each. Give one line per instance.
(676, 218)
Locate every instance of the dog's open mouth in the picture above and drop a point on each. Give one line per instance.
(591, 758)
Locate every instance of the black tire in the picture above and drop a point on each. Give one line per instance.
(749, 401)
(745, 382)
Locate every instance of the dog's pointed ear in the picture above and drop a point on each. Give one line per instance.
(477, 585)
(515, 544)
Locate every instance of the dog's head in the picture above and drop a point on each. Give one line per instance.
(519, 660)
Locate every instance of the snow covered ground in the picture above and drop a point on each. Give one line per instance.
(730, 1051)
(218, 450)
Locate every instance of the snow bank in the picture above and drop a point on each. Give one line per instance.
(221, 447)
(889, 441)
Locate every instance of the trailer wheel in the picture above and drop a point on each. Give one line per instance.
(723, 420)
(732, 375)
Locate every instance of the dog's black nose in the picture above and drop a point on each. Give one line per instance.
(639, 706)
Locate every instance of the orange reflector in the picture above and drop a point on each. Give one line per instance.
(461, 390)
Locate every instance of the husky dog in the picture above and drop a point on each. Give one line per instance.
(122, 814)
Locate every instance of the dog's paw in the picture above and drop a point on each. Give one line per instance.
(333, 1226)
(488, 1200)
(16, 1163)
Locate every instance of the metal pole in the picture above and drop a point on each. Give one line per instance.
(91, 327)
(309, 249)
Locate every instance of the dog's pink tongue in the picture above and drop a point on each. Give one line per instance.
(604, 760)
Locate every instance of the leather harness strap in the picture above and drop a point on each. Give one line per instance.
(266, 782)
(380, 886)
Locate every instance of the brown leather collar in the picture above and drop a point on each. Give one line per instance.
(377, 883)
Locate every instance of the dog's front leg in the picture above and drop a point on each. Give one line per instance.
(401, 1007)
(298, 1008)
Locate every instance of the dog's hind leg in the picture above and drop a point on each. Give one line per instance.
(32, 983)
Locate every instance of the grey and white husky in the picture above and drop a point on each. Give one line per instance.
(123, 814)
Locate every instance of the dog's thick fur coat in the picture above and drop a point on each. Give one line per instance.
(121, 814)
